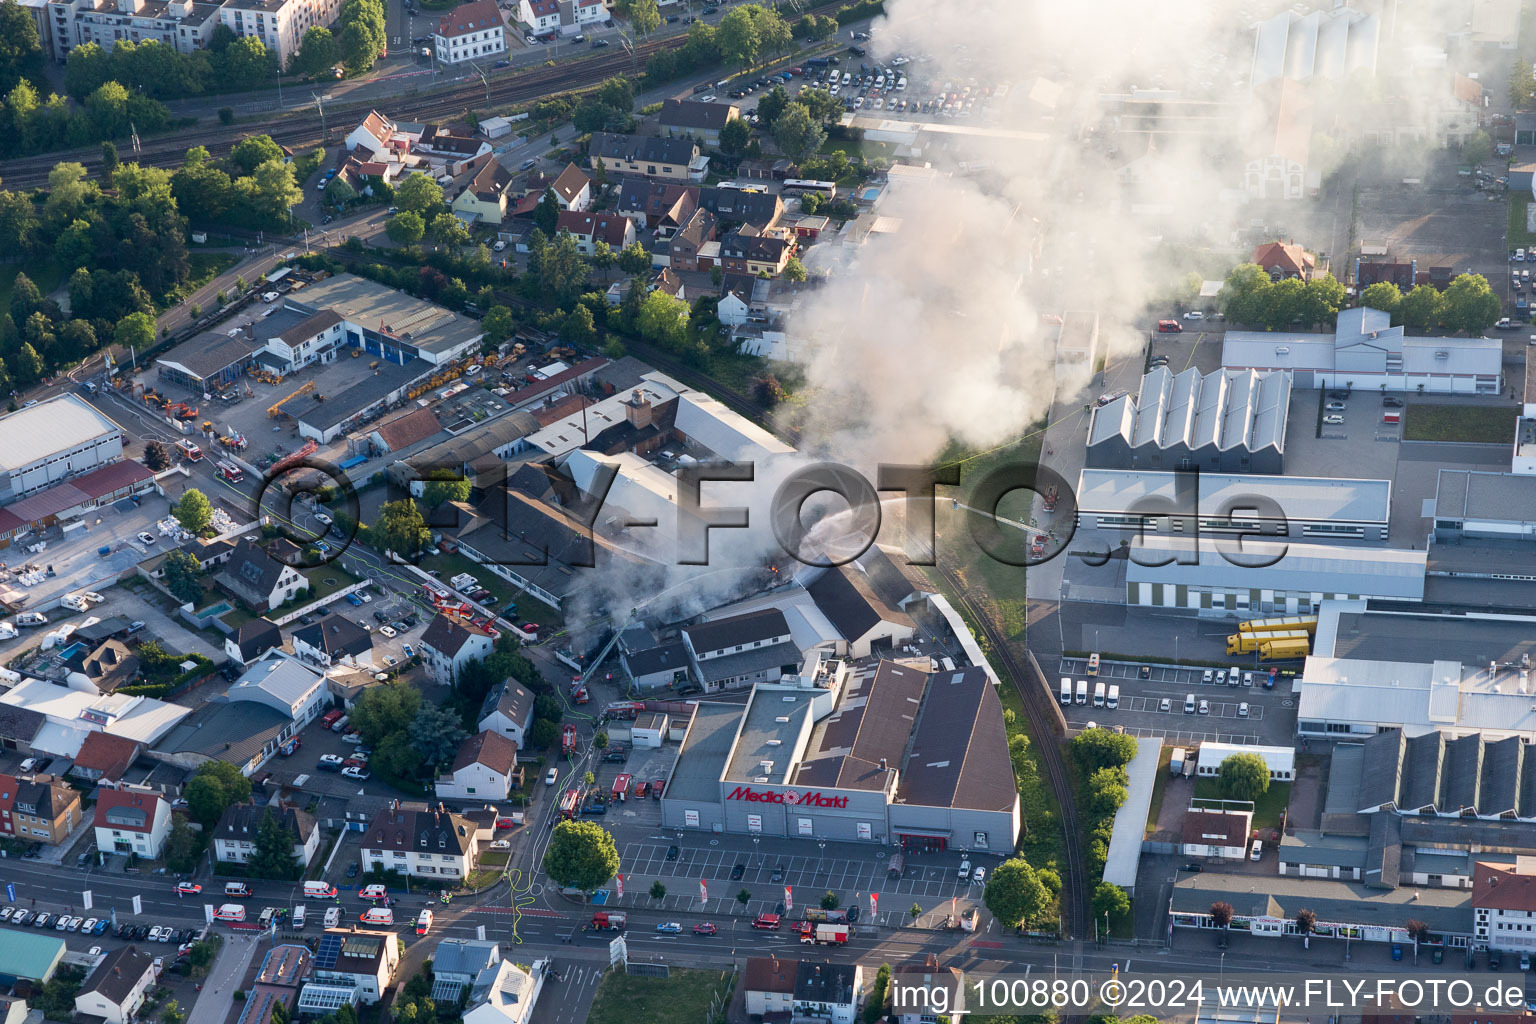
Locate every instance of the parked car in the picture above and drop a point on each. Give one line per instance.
(357, 774)
(330, 763)
(1205, 707)
(1336, 406)
(1242, 710)
(704, 928)
(387, 631)
(1333, 420)
(1391, 402)
(672, 852)
(669, 928)
(1194, 314)
(737, 871)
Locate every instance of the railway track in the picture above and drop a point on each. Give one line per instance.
(1034, 695)
(305, 127)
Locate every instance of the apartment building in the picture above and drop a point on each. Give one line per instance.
(280, 24)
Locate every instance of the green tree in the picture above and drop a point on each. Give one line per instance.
(338, 193)
(246, 64)
(362, 38)
(400, 527)
(579, 328)
(581, 855)
(663, 319)
(1383, 295)
(449, 230)
(658, 890)
(559, 269)
(644, 17)
(794, 270)
(546, 215)
(396, 755)
(273, 192)
(419, 194)
(383, 710)
(1469, 304)
(1110, 899)
(1093, 749)
(1420, 308)
(1284, 303)
(183, 576)
(797, 133)
(405, 227)
(1522, 84)
(250, 153)
(29, 365)
(1241, 295)
(830, 900)
(1243, 776)
(1477, 148)
(183, 846)
(316, 54)
(1306, 921)
(194, 511)
(1321, 298)
(735, 136)
(1107, 790)
(273, 857)
(215, 787)
(155, 456)
(136, 330)
(738, 38)
(744, 897)
(634, 259)
(21, 49)
(874, 1007)
(772, 104)
(1014, 894)
(436, 734)
(497, 324)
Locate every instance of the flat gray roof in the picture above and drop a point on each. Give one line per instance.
(707, 747)
(1499, 497)
(1444, 910)
(1424, 637)
(1308, 499)
(50, 426)
(774, 728)
(1304, 568)
(428, 327)
(1306, 847)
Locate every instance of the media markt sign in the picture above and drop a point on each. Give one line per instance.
(808, 798)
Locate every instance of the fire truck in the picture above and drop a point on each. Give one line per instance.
(229, 471)
(189, 451)
(570, 803)
(568, 740)
(823, 934)
(621, 787)
(624, 710)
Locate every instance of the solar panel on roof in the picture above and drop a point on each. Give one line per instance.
(329, 952)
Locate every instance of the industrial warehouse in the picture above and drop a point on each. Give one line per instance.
(881, 751)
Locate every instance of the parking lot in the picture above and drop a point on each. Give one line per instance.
(1153, 704)
(809, 872)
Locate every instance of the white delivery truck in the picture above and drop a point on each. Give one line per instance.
(1113, 700)
(1099, 692)
(1066, 690)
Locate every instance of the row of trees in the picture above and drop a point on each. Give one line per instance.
(21, 49)
(251, 188)
(410, 738)
(1249, 297)
(230, 63)
(1467, 304)
(31, 124)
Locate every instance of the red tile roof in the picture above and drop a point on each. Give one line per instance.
(108, 800)
(474, 17)
(404, 431)
(600, 227)
(1498, 888)
(110, 755)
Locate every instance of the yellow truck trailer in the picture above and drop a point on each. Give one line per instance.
(1282, 650)
(1246, 643)
(1306, 622)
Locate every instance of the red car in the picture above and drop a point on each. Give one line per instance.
(1169, 327)
(704, 929)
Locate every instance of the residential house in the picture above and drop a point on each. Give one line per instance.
(315, 339)
(104, 757)
(870, 625)
(259, 580)
(582, 15)
(486, 197)
(431, 843)
(769, 984)
(659, 206)
(688, 247)
(656, 666)
(743, 206)
(284, 684)
(234, 838)
(669, 159)
(946, 985)
(449, 642)
(182, 25)
(450, 152)
(334, 640)
(373, 136)
(827, 992)
(590, 228)
(751, 250)
(471, 31)
(572, 189)
(1504, 905)
(508, 711)
(506, 994)
(742, 650)
(352, 966)
(38, 809)
(251, 639)
(539, 16)
(133, 820)
(1216, 834)
(737, 304)
(1282, 260)
(110, 665)
(458, 963)
(483, 769)
(691, 119)
(116, 989)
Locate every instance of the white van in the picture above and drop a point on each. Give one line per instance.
(1258, 850)
(1113, 700)
(298, 916)
(319, 890)
(1189, 703)
(332, 916)
(1234, 676)
(901, 84)
(1066, 690)
(1099, 690)
(230, 912)
(378, 915)
(236, 890)
(1082, 691)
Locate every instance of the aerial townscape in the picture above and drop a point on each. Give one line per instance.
(794, 511)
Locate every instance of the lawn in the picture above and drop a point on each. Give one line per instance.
(685, 995)
(1518, 236)
(1480, 424)
(47, 277)
(855, 149)
(1267, 809)
(1164, 759)
(327, 579)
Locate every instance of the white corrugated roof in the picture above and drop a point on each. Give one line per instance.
(33, 434)
(1309, 499)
